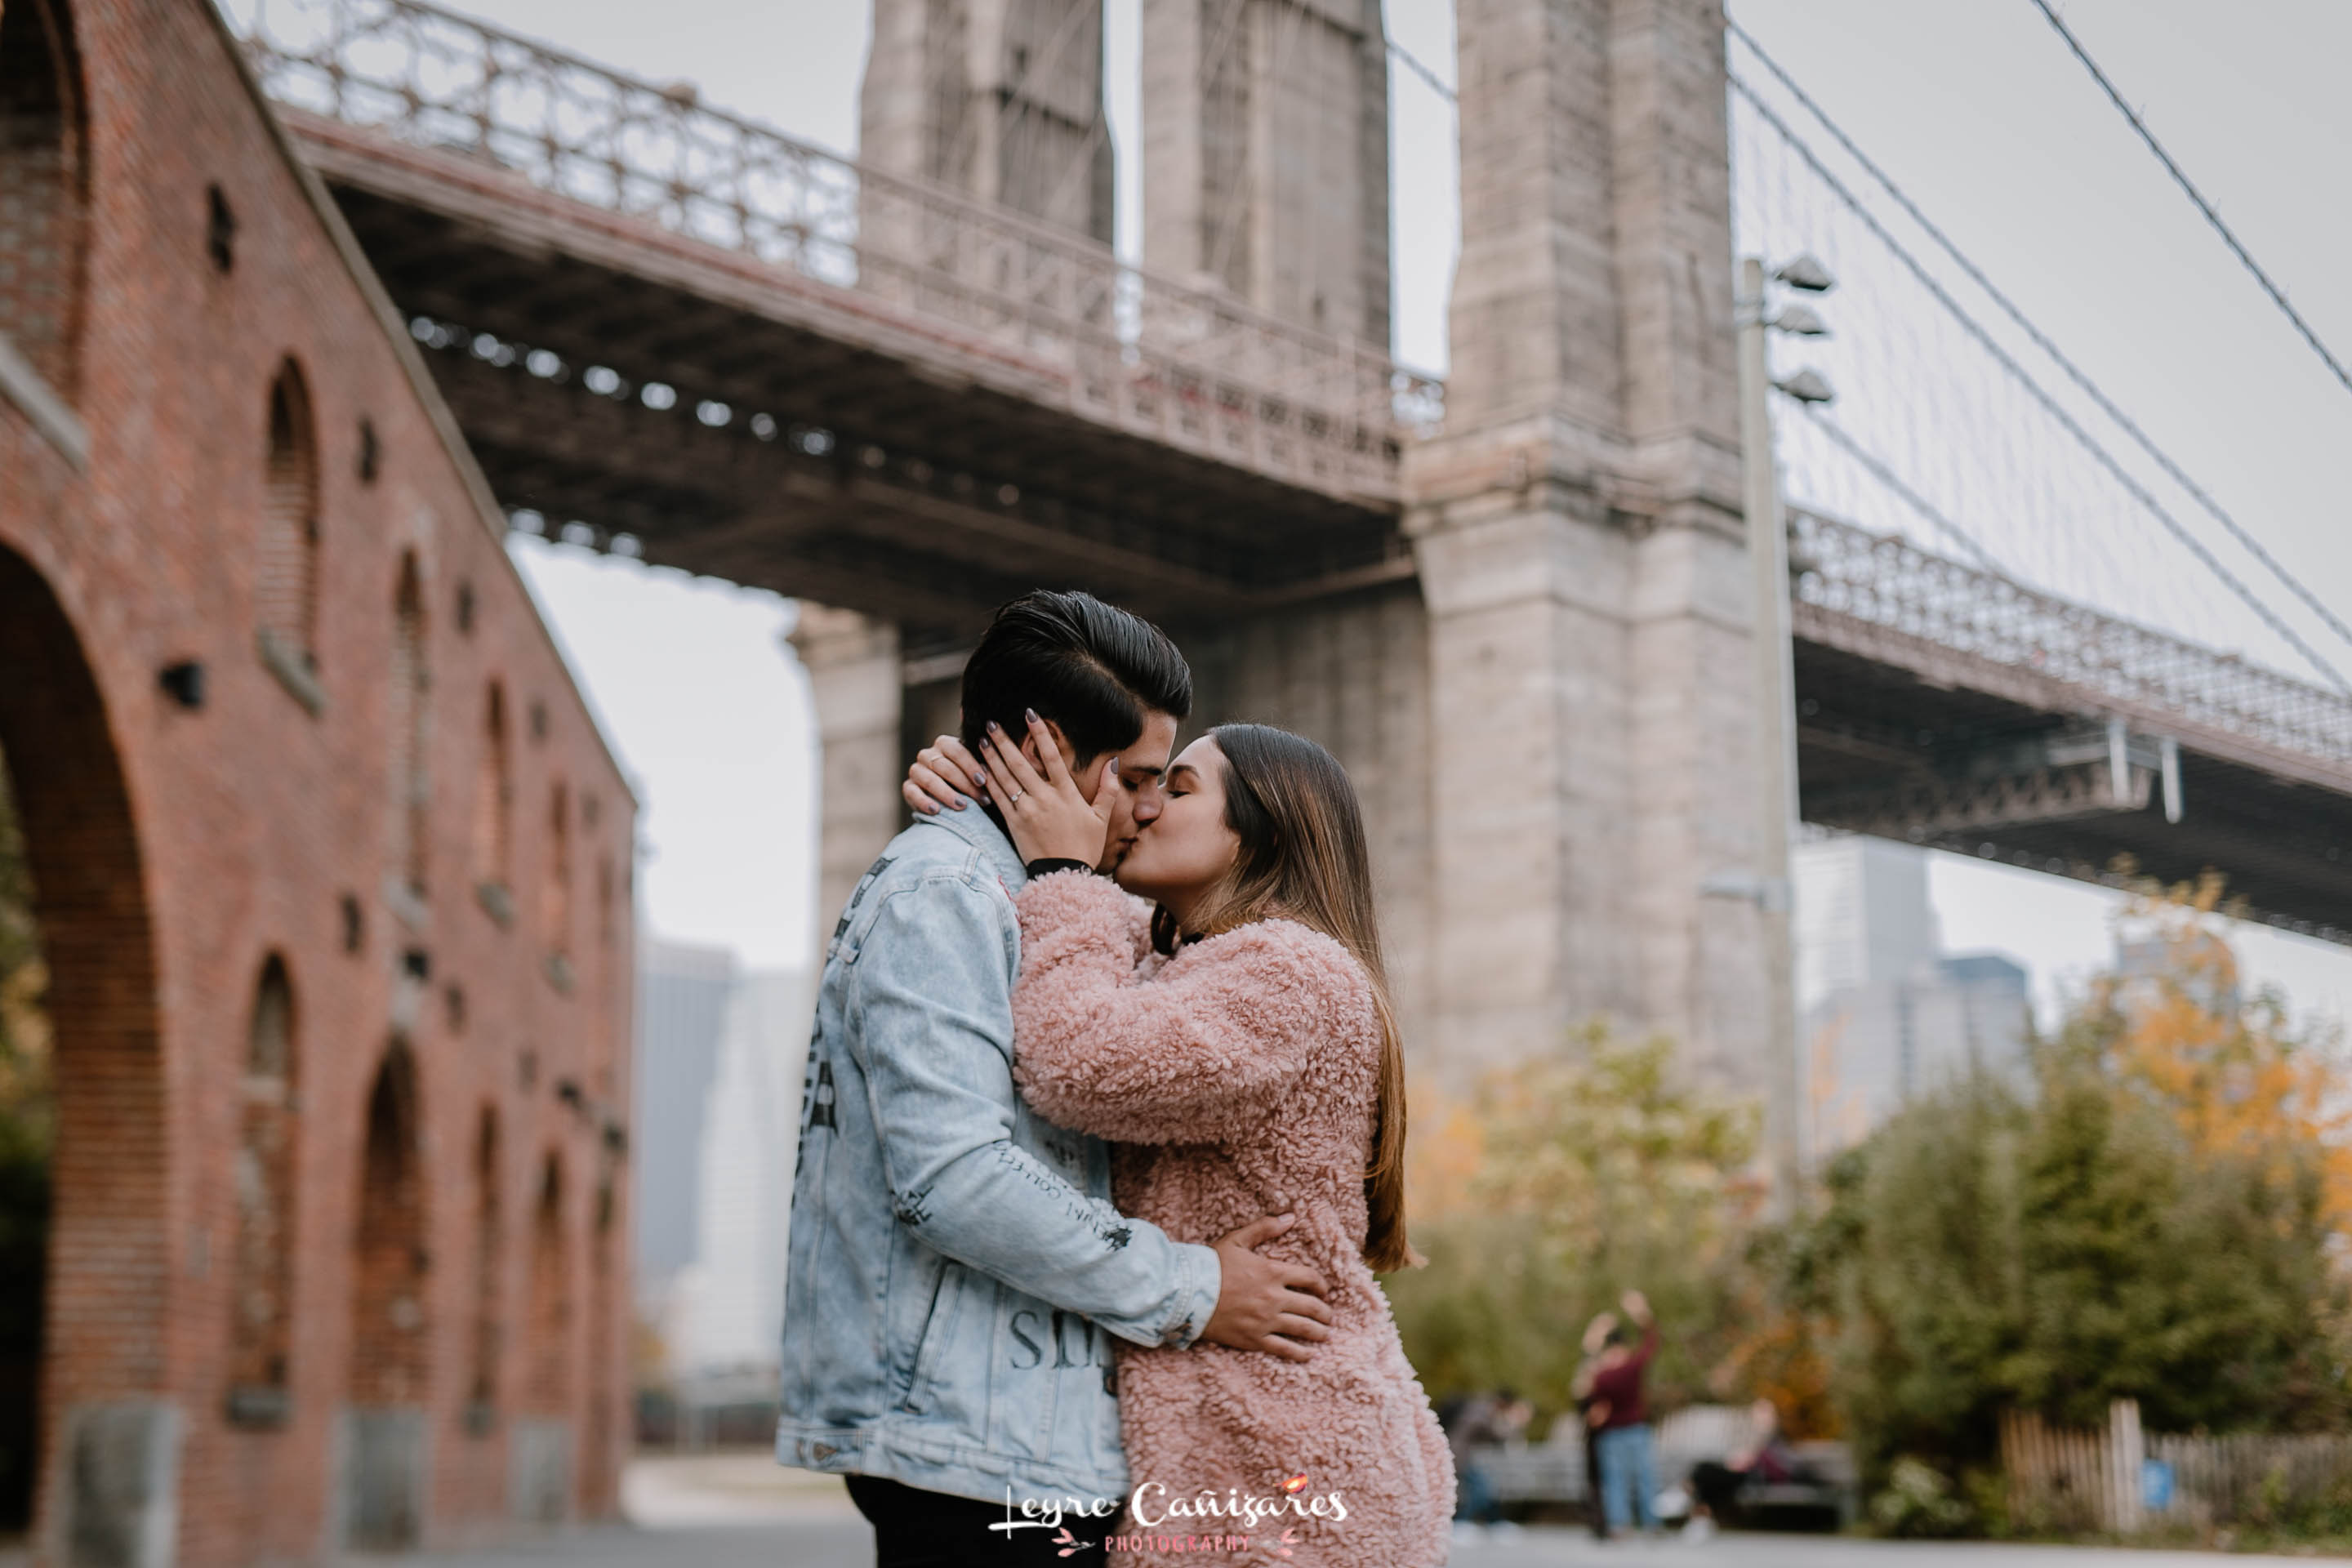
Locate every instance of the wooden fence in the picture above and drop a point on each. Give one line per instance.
(2250, 1479)
(2120, 1481)
(2074, 1480)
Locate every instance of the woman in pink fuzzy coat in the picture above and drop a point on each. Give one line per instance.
(1237, 1044)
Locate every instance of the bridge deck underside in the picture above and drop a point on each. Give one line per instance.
(1875, 738)
(917, 486)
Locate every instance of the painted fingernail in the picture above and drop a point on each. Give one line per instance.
(1032, 712)
(980, 780)
(994, 727)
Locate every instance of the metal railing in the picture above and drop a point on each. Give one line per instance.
(1887, 582)
(1183, 365)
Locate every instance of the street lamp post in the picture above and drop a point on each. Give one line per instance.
(1775, 679)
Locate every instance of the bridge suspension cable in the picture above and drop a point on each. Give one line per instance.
(2180, 178)
(1878, 469)
(1413, 63)
(2041, 340)
(2130, 485)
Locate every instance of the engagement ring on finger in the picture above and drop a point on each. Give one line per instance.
(1016, 797)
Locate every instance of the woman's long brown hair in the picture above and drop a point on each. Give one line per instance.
(1304, 857)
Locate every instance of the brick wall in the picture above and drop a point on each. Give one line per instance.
(177, 849)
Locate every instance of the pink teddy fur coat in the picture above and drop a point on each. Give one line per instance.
(1239, 1078)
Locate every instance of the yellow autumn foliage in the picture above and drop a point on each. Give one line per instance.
(2242, 1080)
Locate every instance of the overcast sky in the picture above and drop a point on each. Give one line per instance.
(1973, 104)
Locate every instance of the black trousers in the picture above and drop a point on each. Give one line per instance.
(915, 1529)
(1718, 1486)
(1600, 1520)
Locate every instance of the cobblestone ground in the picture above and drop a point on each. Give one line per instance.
(743, 1511)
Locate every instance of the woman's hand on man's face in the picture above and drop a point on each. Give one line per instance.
(1049, 817)
(942, 774)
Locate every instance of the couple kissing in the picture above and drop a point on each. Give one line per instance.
(1102, 1140)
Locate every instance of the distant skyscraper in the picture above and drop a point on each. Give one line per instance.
(1884, 1014)
(683, 994)
(1862, 914)
(731, 1305)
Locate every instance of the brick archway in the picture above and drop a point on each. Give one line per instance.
(102, 1366)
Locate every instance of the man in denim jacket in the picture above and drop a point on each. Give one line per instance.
(955, 1268)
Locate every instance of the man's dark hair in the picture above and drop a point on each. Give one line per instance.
(1093, 669)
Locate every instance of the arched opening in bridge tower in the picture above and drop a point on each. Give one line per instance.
(386, 1479)
(83, 1275)
(42, 204)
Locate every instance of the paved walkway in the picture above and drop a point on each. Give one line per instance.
(839, 1544)
(744, 1511)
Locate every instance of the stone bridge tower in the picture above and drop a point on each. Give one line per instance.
(1578, 528)
(1543, 696)
(1002, 99)
(1266, 156)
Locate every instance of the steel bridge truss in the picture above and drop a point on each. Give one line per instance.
(1137, 353)
(1958, 624)
(1949, 705)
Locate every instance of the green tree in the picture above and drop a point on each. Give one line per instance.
(2053, 1245)
(1568, 1179)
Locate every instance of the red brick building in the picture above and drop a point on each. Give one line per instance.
(331, 868)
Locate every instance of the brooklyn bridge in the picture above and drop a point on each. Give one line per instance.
(906, 386)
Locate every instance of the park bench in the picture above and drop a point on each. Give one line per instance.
(1552, 1473)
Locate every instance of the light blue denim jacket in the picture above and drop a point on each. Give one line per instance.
(954, 1258)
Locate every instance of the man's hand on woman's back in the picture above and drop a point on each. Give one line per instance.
(1263, 1304)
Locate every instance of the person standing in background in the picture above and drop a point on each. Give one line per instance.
(1596, 1341)
(1619, 1420)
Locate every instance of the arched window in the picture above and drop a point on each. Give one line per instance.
(548, 1388)
(407, 719)
(606, 931)
(606, 980)
(555, 892)
(42, 202)
(603, 1354)
(260, 1307)
(494, 808)
(389, 1302)
(490, 1246)
(288, 584)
